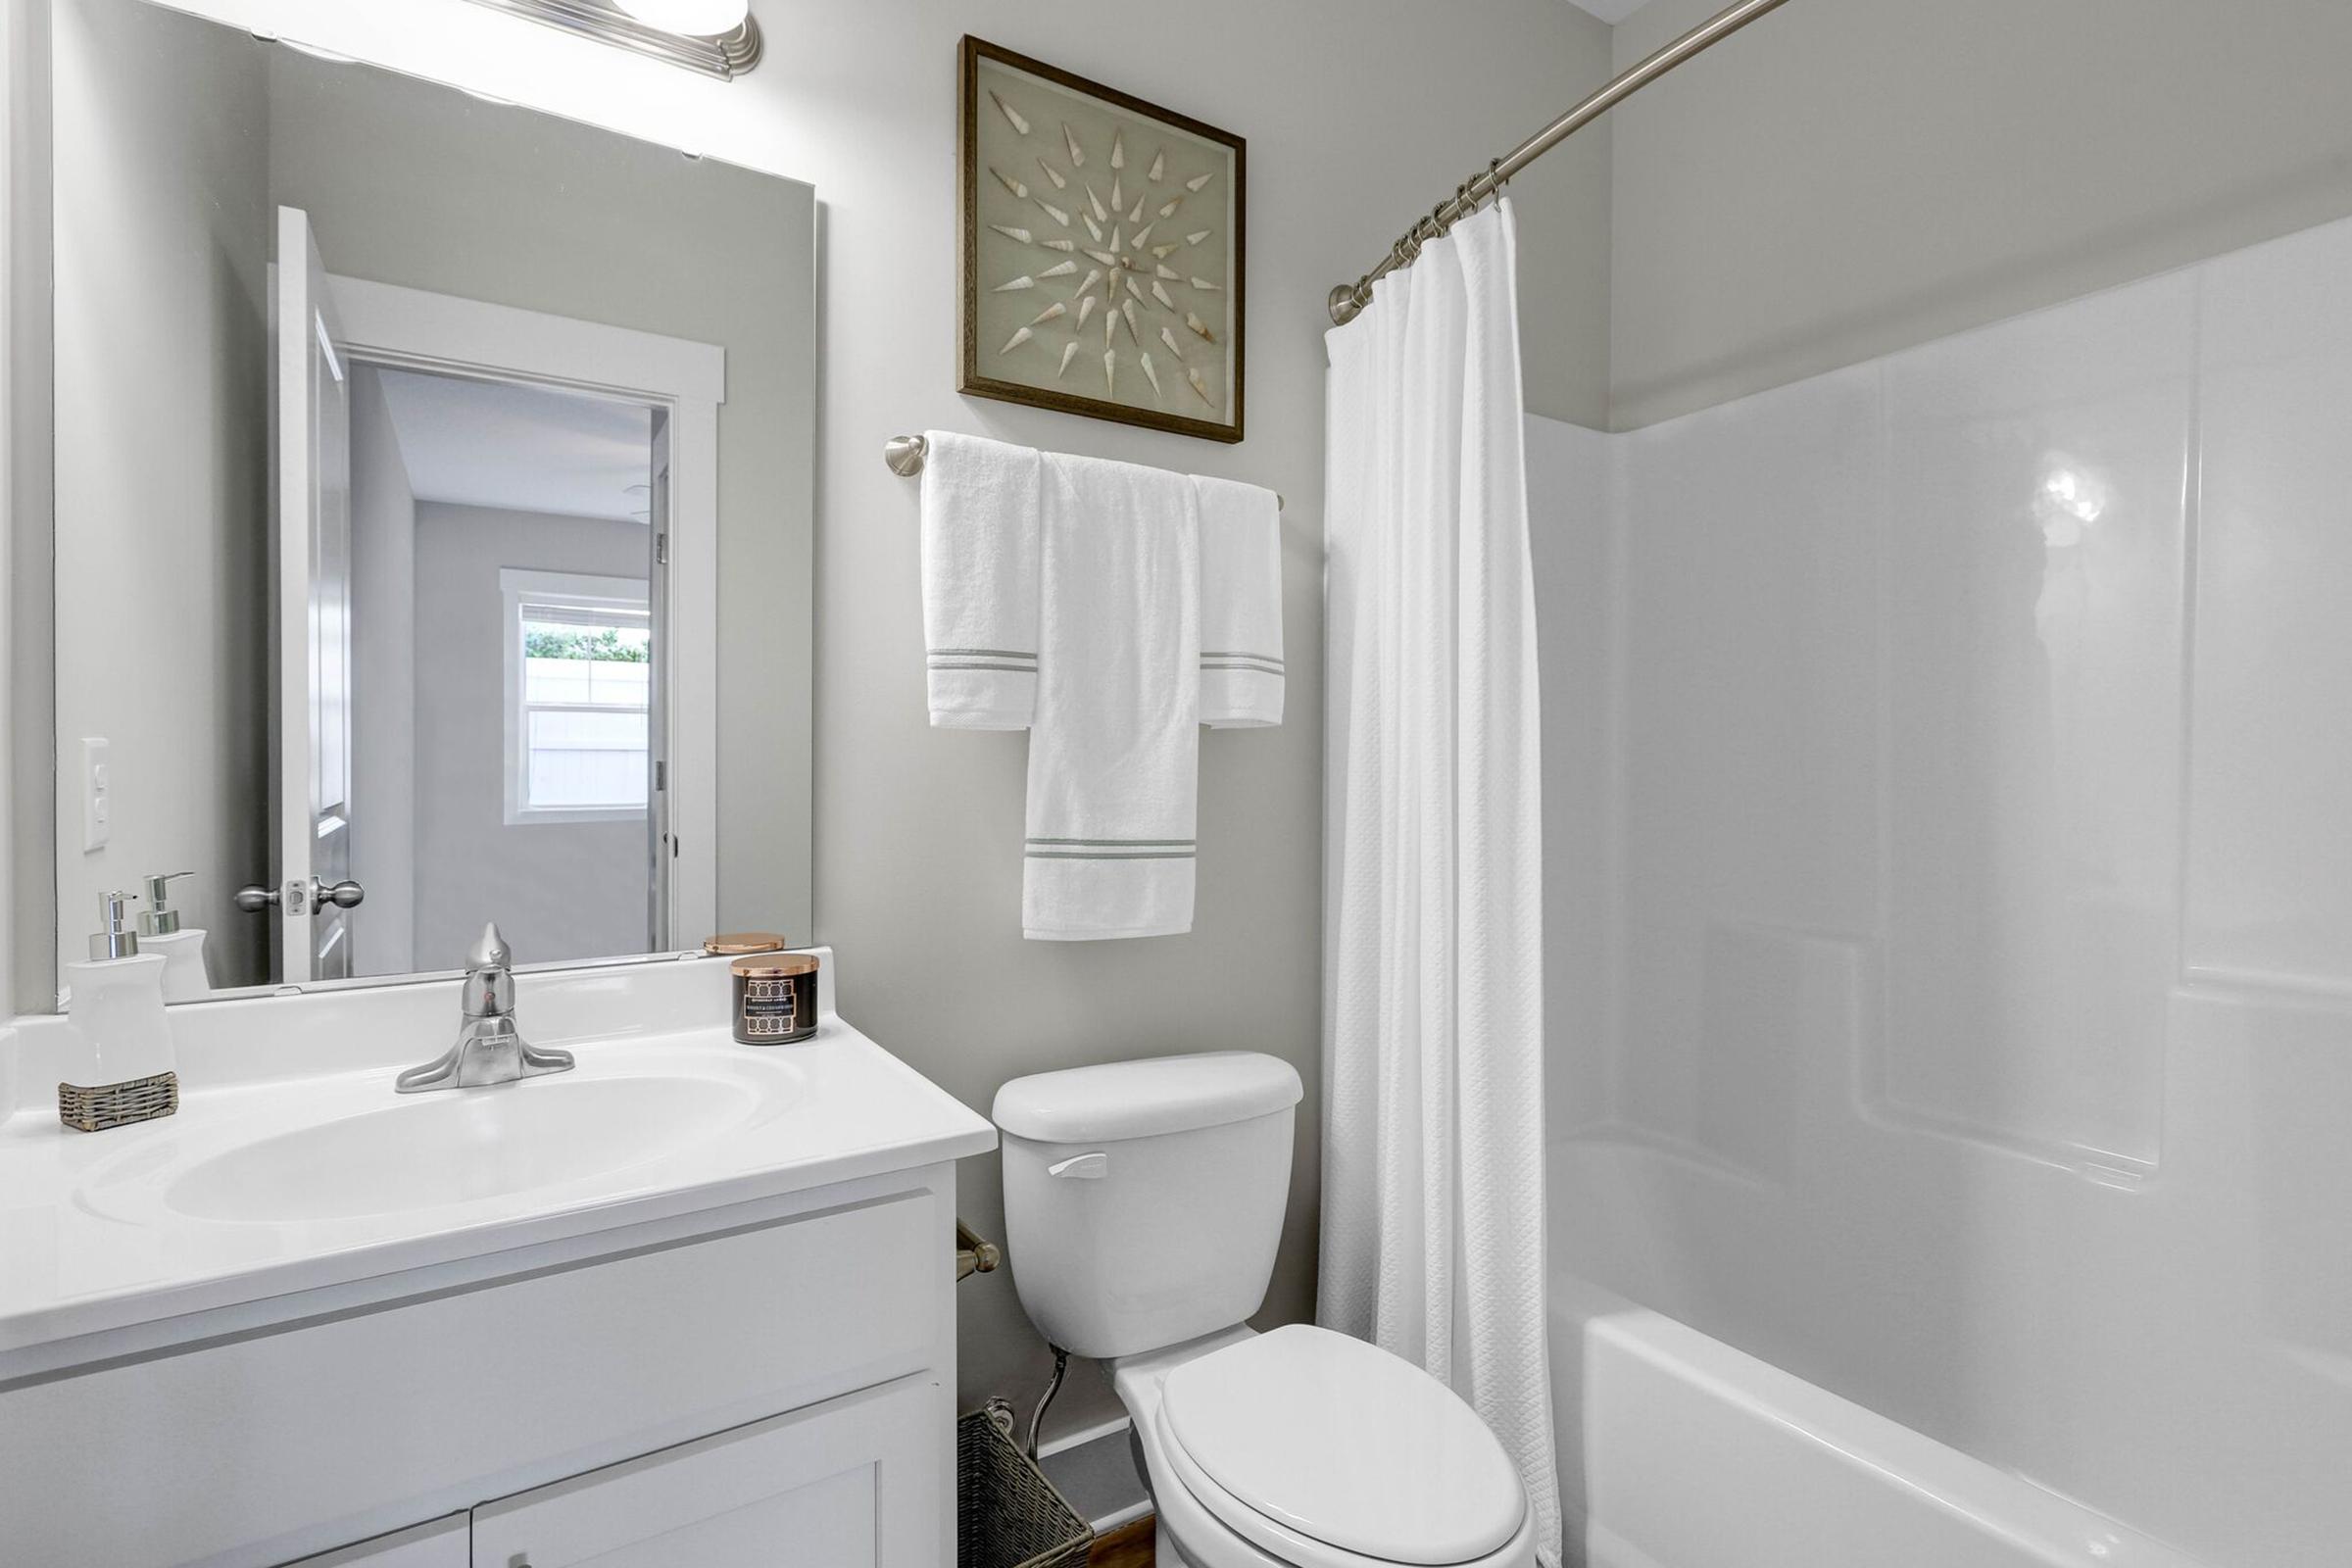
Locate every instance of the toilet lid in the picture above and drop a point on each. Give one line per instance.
(1346, 1445)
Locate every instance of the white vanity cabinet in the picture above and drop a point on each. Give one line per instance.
(764, 1385)
(737, 1353)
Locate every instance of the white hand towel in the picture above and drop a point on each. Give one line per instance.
(1115, 747)
(1241, 604)
(980, 581)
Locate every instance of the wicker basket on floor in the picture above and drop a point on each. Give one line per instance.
(1007, 1514)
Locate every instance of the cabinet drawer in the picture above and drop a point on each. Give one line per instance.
(343, 1426)
(858, 1482)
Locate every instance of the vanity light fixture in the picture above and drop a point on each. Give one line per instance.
(715, 38)
(695, 19)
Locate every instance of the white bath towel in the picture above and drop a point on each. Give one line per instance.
(980, 581)
(1115, 747)
(1241, 604)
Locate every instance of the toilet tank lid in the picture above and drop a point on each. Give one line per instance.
(1143, 1099)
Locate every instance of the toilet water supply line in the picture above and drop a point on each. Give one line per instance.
(1037, 1417)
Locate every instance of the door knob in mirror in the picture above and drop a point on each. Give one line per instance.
(342, 895)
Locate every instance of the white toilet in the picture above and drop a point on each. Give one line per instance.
(1143, 1200)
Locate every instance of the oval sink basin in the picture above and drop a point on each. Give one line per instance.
(459, 1147)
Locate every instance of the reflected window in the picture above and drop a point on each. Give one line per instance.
(580, 659)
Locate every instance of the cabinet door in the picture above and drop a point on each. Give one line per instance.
(441, 1543)
(860, 1482)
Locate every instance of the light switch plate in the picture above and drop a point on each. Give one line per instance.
(97, 793)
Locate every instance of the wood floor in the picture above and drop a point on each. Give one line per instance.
(1128, 1546)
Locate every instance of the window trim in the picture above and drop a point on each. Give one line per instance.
(584, 591)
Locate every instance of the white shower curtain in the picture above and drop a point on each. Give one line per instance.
(1433, 1082)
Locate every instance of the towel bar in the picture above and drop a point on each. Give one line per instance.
(905, 455)
(972, 1255)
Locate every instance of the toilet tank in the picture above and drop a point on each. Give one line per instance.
(1142, 1200)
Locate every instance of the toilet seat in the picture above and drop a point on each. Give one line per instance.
(1327, 1452)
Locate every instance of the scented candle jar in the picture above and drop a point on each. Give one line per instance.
(775, 997)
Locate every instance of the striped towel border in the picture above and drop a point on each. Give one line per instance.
(1240, 659)
(1005, 659)
(1112, 849)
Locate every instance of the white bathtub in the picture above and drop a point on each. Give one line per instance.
(1678, 1451)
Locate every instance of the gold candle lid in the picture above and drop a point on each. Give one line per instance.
(782, 965)
(733, 942)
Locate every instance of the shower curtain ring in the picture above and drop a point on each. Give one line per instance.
(1495, 179)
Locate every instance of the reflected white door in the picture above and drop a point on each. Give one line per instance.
(656, 722)
(313, 697)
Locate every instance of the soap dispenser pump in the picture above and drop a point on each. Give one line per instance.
(122, 1038)
(188, 973)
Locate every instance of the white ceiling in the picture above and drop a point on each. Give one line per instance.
(524, 448)
(1611, 11)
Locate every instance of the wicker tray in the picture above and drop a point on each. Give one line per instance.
(1007, 1514)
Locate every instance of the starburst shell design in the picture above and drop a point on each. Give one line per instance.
(1129, 276)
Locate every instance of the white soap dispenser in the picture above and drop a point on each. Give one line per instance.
(187, 975)
(123, 1040)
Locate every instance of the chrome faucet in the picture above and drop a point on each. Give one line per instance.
(490, 1048)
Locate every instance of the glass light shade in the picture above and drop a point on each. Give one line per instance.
(695, 19)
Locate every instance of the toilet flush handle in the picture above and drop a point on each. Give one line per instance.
(1082, 1167)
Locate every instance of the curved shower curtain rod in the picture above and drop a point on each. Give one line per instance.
(1347, 300)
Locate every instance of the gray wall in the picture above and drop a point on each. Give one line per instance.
(383, 684)
(161, 434)
(1850, 176)
(556, 889)
(1358, 117)
(441, 191)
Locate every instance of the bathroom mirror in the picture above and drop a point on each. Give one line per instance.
(400, 438)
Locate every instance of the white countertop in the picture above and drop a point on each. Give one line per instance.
(101, 1231)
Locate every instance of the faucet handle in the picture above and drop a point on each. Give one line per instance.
(491, 951)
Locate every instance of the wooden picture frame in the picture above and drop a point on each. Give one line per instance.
(1103, 272)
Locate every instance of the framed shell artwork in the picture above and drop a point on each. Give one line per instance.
(1103, 250)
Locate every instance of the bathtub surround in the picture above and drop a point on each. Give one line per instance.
(1433, 1103)
(1952, 1008)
